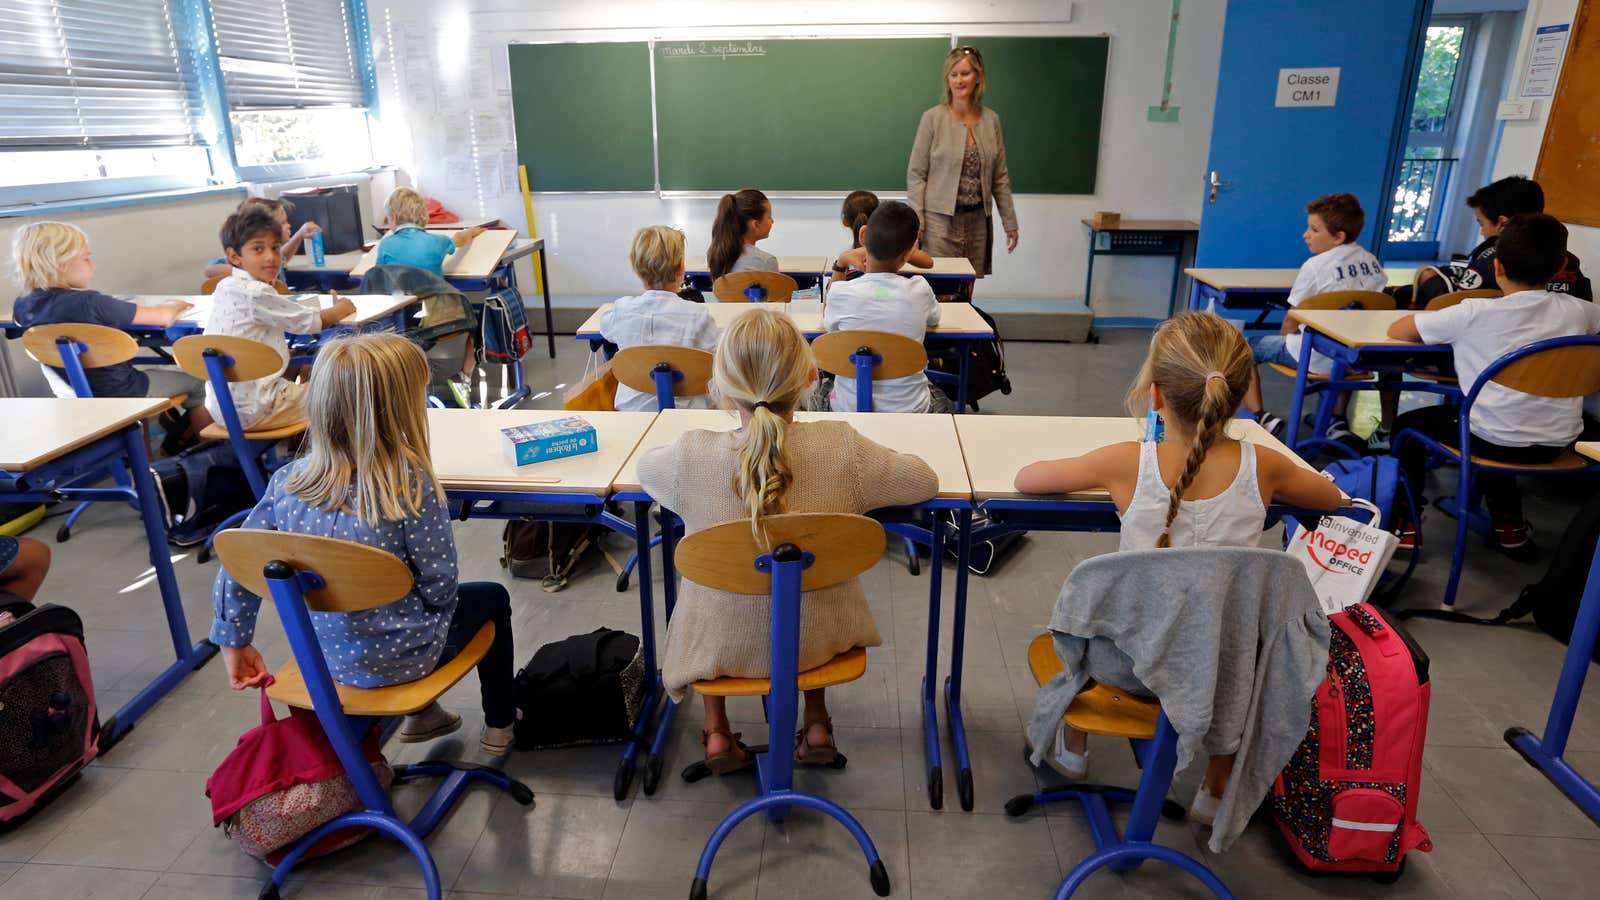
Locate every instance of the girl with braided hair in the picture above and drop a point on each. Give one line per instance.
(1196, 486)
(770, 464)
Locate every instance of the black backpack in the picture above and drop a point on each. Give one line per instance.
(200, 487)
(1552, 600)
(986, 366)
(586, 689)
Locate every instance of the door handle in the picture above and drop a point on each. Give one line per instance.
(1216, 182)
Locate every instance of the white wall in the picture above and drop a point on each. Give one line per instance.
(1520, 140)
(1146, 170)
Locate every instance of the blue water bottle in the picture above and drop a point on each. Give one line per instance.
(316, 250)
(1154, 429)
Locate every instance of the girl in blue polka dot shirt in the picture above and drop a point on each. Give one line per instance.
(367, 477)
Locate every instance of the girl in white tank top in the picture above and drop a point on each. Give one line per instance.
(1214, 490)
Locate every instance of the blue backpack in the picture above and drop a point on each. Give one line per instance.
(503, 327)
(1378, 480)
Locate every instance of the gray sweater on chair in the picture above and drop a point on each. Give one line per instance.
(1231, 640)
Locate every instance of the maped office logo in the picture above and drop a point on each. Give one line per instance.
(1339, 545)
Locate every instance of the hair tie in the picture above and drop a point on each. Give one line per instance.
(761, 404)
(1215, 374)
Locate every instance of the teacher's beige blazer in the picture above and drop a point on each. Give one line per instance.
(934, 173)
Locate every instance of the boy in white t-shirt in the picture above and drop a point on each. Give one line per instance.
(883, 300)
(1507, 425)
(1337, 263)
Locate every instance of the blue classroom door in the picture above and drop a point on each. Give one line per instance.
(1274, 159)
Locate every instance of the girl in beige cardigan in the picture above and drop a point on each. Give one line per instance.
(772, 464)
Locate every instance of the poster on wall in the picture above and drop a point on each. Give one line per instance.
(1544, 60)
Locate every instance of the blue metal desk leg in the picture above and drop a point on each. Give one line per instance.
(549, 320)
(964, 350)
(188, 657)
(1302, 371)
(1177, 278)
(647, 643)
(1546, 753)
(952, 684)
(930, 672)
(669, 596)
(1088, 278)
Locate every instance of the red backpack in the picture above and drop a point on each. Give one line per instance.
(1347, 802)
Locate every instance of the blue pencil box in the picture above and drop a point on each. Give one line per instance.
(553, 439)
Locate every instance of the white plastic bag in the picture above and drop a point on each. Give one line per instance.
(1344, 558)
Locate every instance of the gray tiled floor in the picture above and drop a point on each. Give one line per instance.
(137, 824)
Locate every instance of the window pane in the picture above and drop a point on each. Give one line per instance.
(1441, 59)
(337, 136)
(183, 164)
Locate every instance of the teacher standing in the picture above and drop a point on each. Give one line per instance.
(957, 173)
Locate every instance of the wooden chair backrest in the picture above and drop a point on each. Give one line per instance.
(209, 286)
(107, 346)
(1445, 301)
(251, 359)
(1557, 372)
(901, 355)
(633, 366)
(356, 576)
(730, 287)
(1347, 300)
(723, 557)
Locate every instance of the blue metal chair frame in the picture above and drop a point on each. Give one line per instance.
(288, 587)
(1465, 501)
(1126, 852)
(909, 534)
(665, 377)
(775, 764)
(255, 457)
(70, 351)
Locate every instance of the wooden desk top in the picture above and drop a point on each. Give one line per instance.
(1276, 279)
(944, 266)
(996, 447)
(1591, 449)
(369, 307)
(954, 318)
(478, 259)
(788, 265)
(1355, 327)
(468, 450)
(331, 262)
(932, 437)
(40, 429)
(1147, 225)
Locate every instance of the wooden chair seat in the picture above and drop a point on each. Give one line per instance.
(215, 432)
(1290, 371)
(1101, 709)
(846, 667)
(1567, 461)
(289, 686)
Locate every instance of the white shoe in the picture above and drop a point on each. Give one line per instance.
(1069, 765)
(1204, 809)
(497, 741)
(433, 722)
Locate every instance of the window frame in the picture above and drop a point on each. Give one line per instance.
(1445, 139)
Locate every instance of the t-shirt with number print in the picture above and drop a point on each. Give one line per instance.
(1347, 267)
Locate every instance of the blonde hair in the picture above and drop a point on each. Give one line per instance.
(406, 207)
(656, 255)
(1186, 355)
(763, 366)
(40, 250)
(971, 55)
(368, 434)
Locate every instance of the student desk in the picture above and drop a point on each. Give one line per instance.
(1258, 289)
(1546, 753)
(1356, 340)
(469, 458)
(807, 271)
(931, 437)
(1140, 237)
(472, 271)
(949, 275)
(56, 450)
(959, 324)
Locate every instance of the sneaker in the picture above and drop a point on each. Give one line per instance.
(1204, 808)
(1338, 429)
(460, 389)
(496, 741)
(1514, 539)
(1409, 539)
(1069, 765)
(433, 722)
(1378, 441)
(1271, 423)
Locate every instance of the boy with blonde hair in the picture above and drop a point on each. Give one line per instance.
(659, 315)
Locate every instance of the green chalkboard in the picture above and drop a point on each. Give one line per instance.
(582, 115)
(1049, 92)
(792, 115)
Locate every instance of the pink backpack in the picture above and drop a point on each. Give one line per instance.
(49, 728)
(1347, 802)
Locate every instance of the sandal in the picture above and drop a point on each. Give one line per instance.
(735, 759)
(809, 754)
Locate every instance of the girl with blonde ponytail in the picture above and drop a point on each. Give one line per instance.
(1196, 486)
(769, 464)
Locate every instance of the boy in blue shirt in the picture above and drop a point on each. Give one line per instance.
(410, 244)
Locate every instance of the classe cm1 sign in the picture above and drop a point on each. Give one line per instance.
(1308, 87)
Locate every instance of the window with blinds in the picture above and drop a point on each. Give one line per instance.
(286, 54)
(92, 74)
